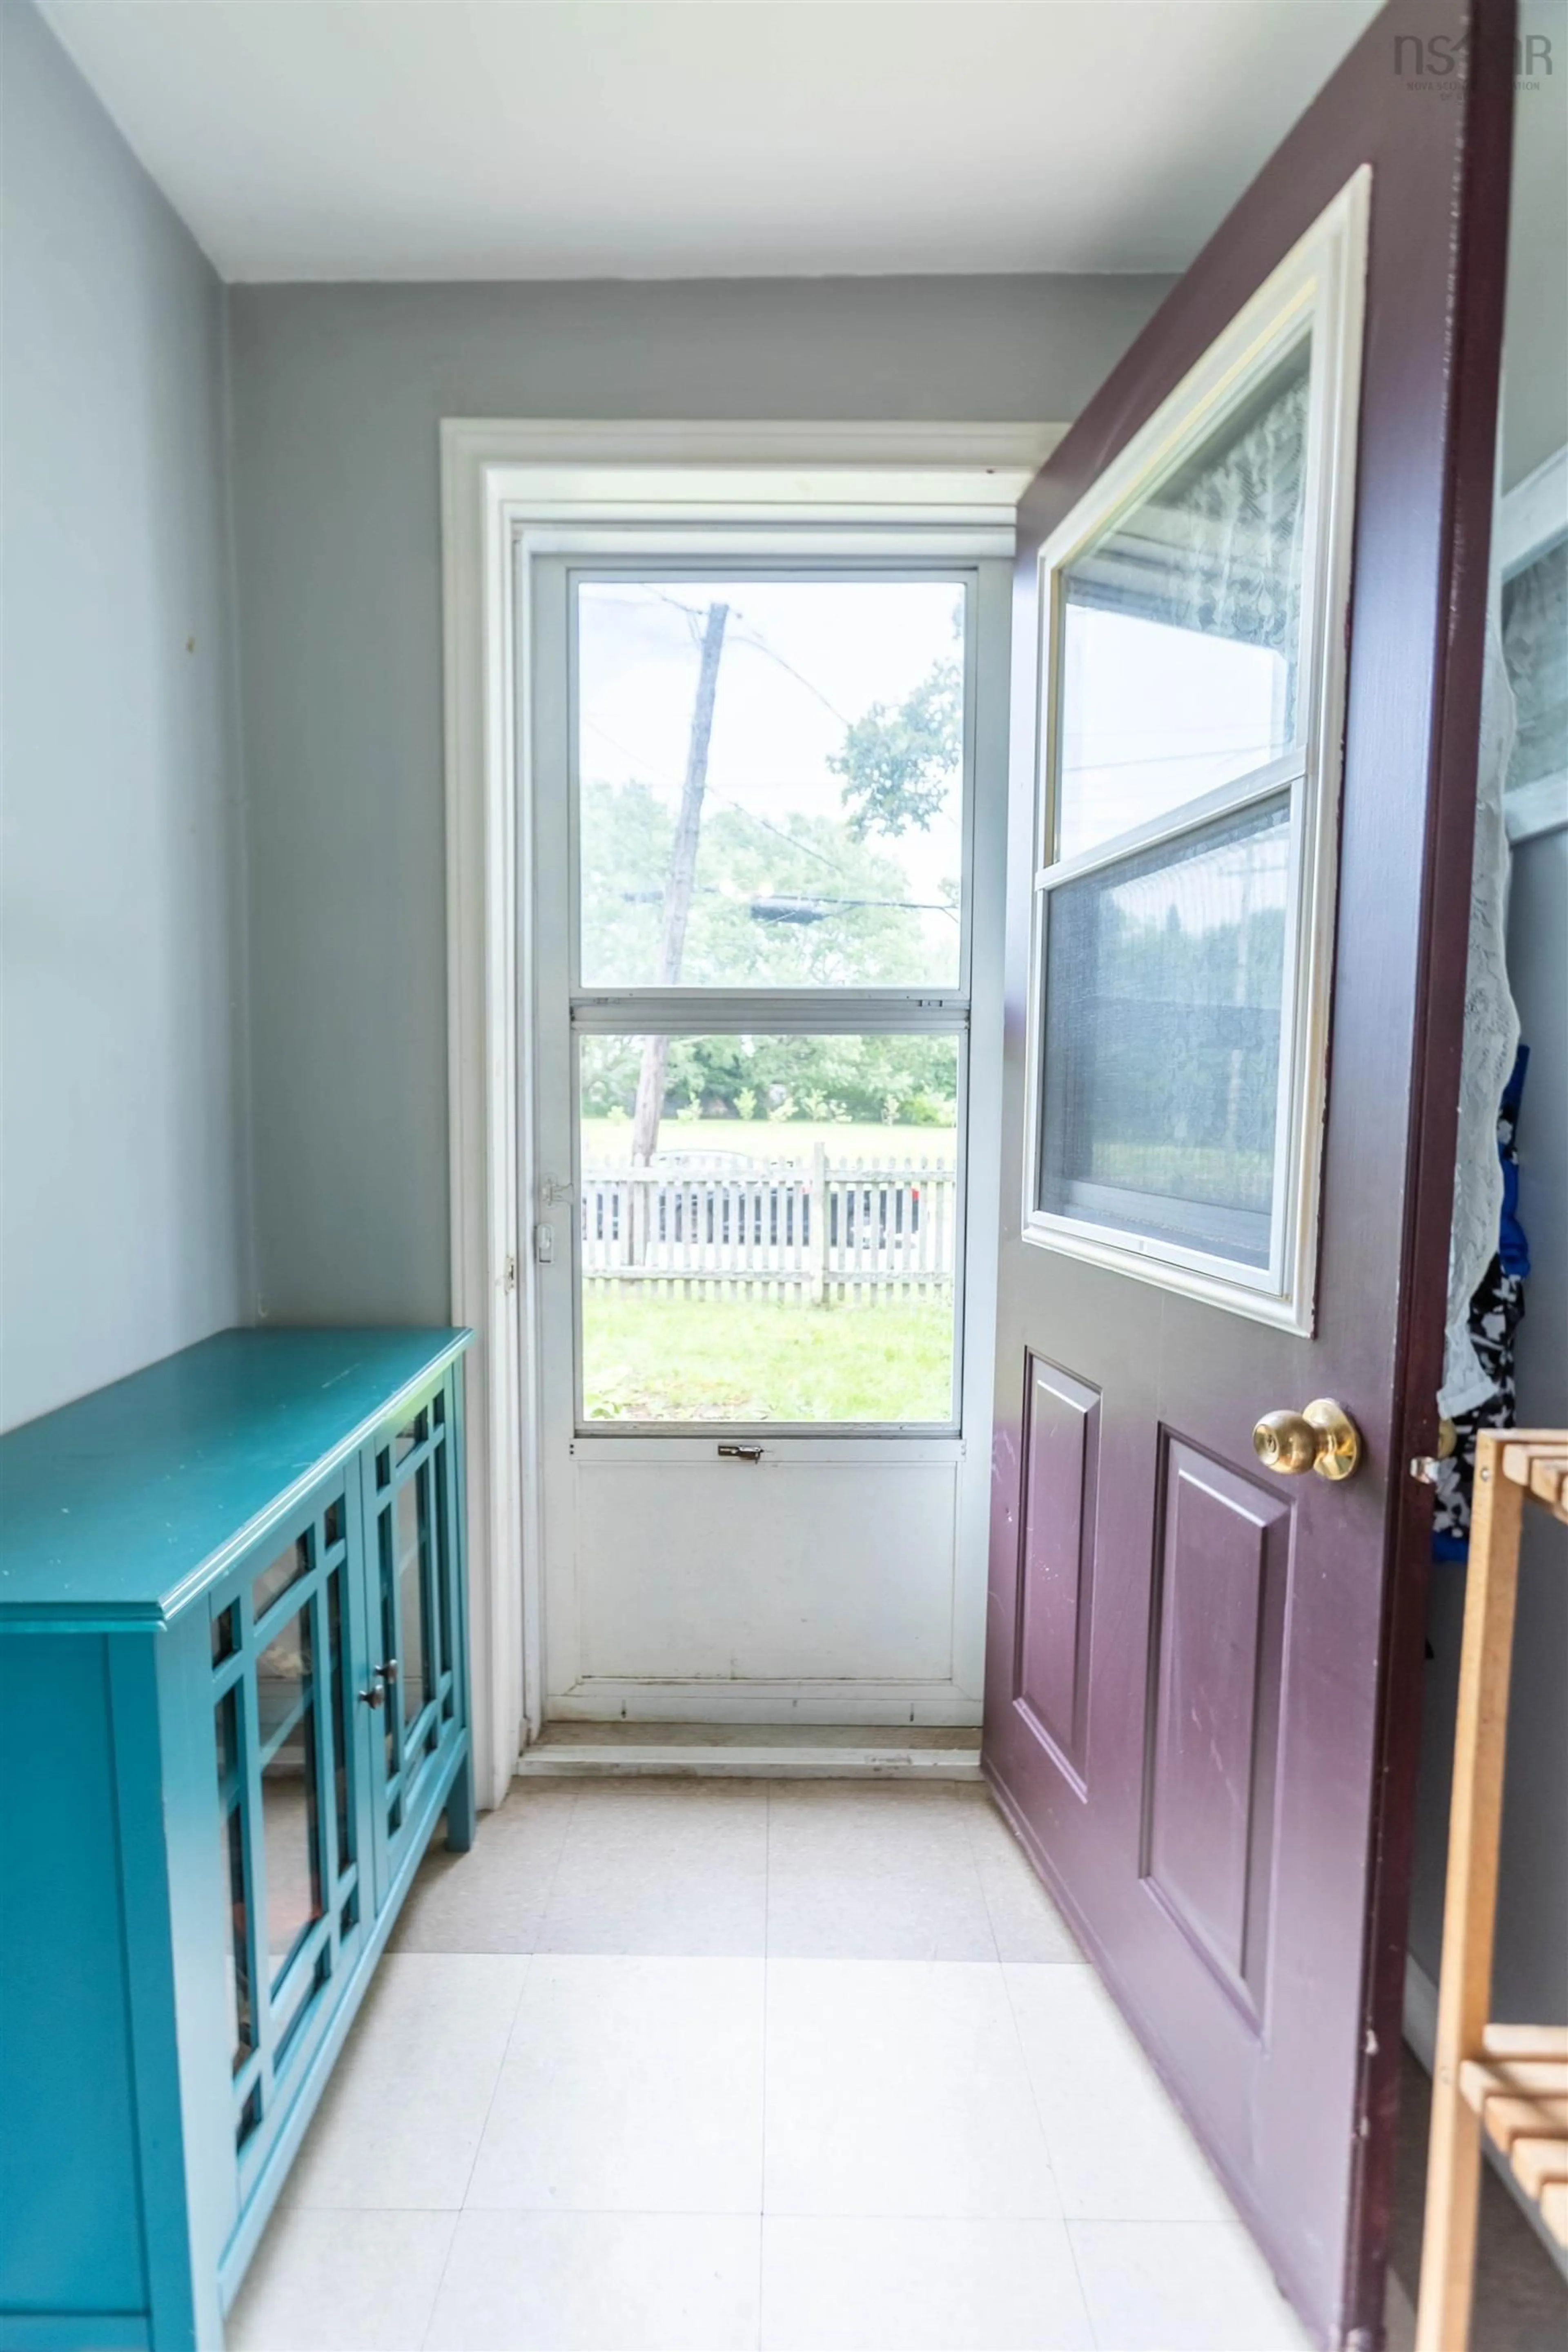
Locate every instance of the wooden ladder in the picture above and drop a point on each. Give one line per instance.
(1509, 2080)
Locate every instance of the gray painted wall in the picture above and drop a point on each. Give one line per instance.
(338, 394)
(122, 1210)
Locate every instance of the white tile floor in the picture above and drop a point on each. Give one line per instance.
(715, 2063)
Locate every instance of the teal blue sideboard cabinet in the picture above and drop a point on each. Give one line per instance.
(234, 1703)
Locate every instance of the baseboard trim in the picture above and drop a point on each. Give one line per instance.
(717, 1750)
(891, 1708)
(751, 1763)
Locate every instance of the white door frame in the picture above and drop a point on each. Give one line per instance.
(505, 484)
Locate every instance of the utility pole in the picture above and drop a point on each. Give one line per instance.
(679, 890)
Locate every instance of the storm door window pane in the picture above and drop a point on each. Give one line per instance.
(1181, 625)
(787, 1252)
(285, 1695)
(770, 782)
(1165, 989)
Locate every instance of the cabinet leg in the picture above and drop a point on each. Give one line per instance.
(460, 1817)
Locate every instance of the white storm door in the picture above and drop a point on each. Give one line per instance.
(763, 850)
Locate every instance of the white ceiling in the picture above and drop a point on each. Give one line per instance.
(419, 138)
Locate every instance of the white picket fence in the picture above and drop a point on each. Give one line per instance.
(708, 1225)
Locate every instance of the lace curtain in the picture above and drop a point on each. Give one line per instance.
(1492, 1040)
(1524, 739)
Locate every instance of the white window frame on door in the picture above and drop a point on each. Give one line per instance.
(1532, 517)
(509, 490)
(1318, 288)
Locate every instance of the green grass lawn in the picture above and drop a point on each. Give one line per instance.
(650, 1359)
(607, 1142)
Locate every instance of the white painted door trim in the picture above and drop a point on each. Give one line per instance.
(500, 480)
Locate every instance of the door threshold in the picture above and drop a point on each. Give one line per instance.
(783, 1752)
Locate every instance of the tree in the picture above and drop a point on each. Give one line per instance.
(737, 898)
(682, 875)
(909, 1078)
(787, 902)
(899, 766)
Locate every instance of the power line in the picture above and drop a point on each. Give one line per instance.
(805, 907)
(730, 801)
(759, 644)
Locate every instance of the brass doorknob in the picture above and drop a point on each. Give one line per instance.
(1324, 1438)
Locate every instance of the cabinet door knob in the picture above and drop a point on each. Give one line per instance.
(374, 1695)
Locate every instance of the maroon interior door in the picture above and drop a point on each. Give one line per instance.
(1238, 847)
